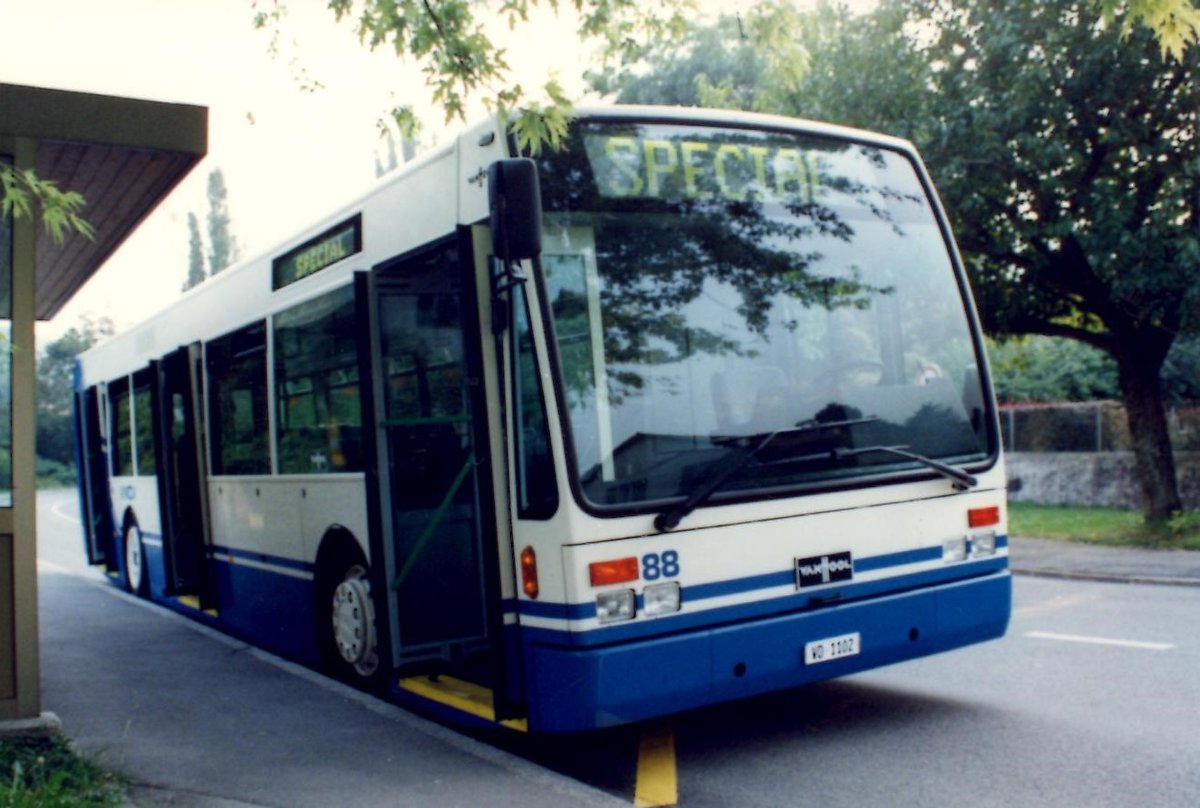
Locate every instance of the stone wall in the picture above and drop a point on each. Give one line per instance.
(1091, 478)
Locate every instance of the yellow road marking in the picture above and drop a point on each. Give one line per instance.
(465, 696)
(656, 780)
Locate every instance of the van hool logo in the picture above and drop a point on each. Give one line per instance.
(824, 569)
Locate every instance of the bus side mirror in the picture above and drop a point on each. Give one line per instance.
(515, 201)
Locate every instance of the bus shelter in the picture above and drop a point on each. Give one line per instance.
(124, 155)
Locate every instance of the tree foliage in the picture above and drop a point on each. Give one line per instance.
(460, 59)
(222, 245)
(56, 385)
(24, 194)
(1035, 368)
(195, 272)
(223, 248)
(1176, 23)
(452, 45)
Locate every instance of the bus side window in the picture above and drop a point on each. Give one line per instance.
(316, 384)
(237, 377)
(143, 424)
(121, 444)
(537, 492)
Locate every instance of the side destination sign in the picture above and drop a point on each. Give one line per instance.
(340, 241)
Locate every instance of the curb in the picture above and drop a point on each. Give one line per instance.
(47, 725)
(1104, 577)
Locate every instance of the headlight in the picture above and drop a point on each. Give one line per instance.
(983, 544)
(618, 604)
(954, 549)
(661, 599)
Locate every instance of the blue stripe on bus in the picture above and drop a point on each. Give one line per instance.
(561, 611)
(265, 558)
(738, 586)
(793, 602)
(900, 559)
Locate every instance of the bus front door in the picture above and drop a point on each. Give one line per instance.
(430, 467)
(181, 489)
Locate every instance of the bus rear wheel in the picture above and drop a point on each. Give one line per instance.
(353, 618)
(346, 617)
(135, 566)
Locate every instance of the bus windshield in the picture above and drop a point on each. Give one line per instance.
(710, 285)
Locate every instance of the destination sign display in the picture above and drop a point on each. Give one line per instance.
(725, 165)
(338, 242)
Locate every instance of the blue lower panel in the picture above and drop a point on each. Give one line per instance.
(573, 690)
(152, 562)
(270, 610)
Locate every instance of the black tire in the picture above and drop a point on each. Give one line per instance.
(345, 610)
(134, 560)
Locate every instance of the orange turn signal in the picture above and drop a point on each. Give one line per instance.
(983, 517)
(617, 571)
(529, 576)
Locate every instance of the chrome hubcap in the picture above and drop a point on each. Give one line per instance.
(354, 622)
(133, 558)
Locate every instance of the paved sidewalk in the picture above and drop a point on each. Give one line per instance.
(1066, 559)
(198, 720)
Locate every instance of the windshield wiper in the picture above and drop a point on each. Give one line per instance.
(671, 517)
(961, 479)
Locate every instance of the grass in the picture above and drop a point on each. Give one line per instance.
(46, 773)
(1112, 526)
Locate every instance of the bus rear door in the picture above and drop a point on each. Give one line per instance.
(95, 503)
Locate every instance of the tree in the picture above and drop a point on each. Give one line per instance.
(1069, 158)
(222, 245)
(195, 274)
(1066, 149)
(56, 385)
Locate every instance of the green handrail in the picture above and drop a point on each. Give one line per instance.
(432, 420)
(434, 520)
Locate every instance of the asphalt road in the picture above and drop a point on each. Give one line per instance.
(1049, 716)
(1091, 700)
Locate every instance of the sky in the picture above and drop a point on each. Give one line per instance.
(288, 156)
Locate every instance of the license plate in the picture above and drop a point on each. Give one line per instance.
(831, 648)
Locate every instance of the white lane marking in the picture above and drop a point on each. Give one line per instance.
(68, 517)
(1138, 644)
(1056, 604)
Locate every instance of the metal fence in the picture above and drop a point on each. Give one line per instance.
(1093, 426)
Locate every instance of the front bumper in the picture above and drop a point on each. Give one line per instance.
(573, 690)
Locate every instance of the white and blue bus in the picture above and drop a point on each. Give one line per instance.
(692, 409)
